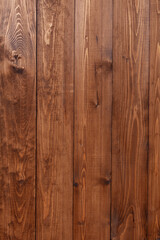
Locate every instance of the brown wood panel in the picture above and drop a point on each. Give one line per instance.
(154, 126)
(130, 119)
(17, 119)
(92, 126)
(55, 83)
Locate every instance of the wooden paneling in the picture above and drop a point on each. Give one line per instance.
(55, 84)
(92, 126)
(79, 119)
(130, 119)
(154, 119)
(17, 119)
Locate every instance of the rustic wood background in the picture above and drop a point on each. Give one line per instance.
(79, 119)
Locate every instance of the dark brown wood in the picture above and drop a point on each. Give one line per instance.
(92, 141)
(55, 81)
(130, 119)
(17, 119)
(154, 119)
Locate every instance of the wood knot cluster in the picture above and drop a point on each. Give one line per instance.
(15, 62)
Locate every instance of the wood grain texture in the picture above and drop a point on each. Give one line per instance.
(79, 135)
(17, 119)
(55, 80)
(130, 119)
(154, 126)
(92, 128)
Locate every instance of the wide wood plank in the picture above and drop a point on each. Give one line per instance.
(154, 126)
(130, 119)
(55, 82)
(17, 119)
(92, 135)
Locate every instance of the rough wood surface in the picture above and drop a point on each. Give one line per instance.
(79, 119)
(92, 128)
(130, 119)
(55, 68)
(154, 119)
(17, 119)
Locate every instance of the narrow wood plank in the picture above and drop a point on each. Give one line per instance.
(130, 119)
(93, 95)
(17, 119)
(55, 60)
(154, 119)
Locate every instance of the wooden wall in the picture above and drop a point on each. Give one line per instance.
(79, 119)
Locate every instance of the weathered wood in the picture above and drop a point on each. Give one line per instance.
(154, 126)
(55, 80)
(96, 125)
(17, 119)
(92, 135)
(130, 119)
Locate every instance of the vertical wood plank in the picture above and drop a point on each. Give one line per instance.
(92, 137)
(154, 119)
(55, 61)
(17, 119)
(130, 119)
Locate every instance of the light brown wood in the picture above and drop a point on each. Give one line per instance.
(130, 120)
(55, 80)
(92, 131)
(17, 119)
